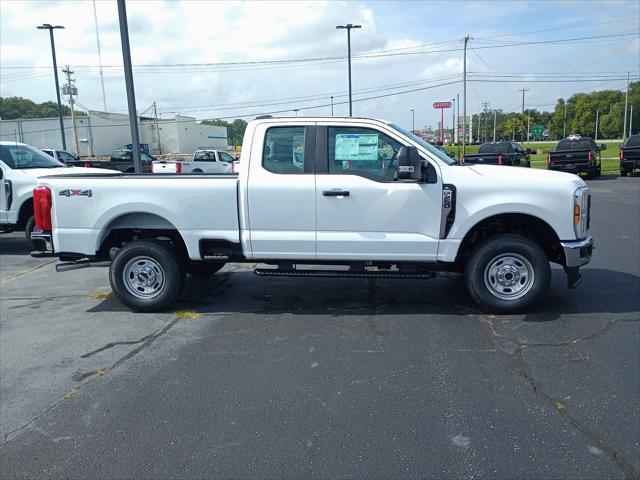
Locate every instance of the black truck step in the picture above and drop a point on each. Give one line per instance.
(274, 272)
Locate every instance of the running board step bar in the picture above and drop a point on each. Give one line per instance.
(66, 266)
(274, 272)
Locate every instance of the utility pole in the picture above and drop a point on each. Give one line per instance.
(630, 120)
(528, 124)
(479, 139)
(332, 105)
(597, 118)
(464, 98)
(95, 19)
(413, 120)
(51, 28)
(494, 126)
(523, 90)
(348, 28)
(296, 111)
(128, 80)
(71, 90)
(155, 114)
(626, 101)
(564, 123)
(484, 120)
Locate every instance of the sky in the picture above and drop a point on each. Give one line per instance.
(215, 59)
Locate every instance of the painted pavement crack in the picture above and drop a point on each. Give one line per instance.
(146, 342)
(519, 365)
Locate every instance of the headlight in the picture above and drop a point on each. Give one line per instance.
(581, 211)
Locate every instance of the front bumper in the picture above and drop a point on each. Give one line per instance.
(577, 252)
(44, 242)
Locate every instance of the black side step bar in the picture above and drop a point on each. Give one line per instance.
(274, 272)
(66, 266)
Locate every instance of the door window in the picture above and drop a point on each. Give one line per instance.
(204, 157)
(66, 157)
(364, 152)
(284, 150)
(225, 157)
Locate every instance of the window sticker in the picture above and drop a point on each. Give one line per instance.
(359, 147)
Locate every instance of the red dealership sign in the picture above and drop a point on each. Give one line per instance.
(441, 104)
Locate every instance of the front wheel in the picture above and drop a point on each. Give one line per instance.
(507, 274)
(147, 275)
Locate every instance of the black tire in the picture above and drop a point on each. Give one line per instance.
(160, 262)
(591, 173)
(623, 173)
(29, 226)
(599, 170)
(203, 270)
(489, 254)
(197, 170)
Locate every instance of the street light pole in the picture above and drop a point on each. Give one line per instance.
(51, 28)
(453, 121)
(348, 27)
(464, 99)
(413, 120)
(128, 80)
(332, 105)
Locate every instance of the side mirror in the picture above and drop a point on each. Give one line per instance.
(409, 164)
(621, 145)
(603, 146)
(529, 151)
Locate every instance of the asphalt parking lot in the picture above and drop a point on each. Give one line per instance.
(256, 377)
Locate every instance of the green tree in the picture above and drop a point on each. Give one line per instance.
(17, 107)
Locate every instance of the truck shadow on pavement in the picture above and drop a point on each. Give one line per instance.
(13, 245)
(602, 291)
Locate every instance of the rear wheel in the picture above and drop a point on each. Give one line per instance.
(507, 274)
(197, 170)
(591, 173)
(623, 173)
(204, 270)
(599, 170)
(147, 275)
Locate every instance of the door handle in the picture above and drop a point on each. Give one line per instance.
(335, 193)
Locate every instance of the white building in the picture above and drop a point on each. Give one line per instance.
(99, 133)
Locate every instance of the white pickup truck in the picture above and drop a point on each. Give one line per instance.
(20, 167)
(356, 197)
(204, 161)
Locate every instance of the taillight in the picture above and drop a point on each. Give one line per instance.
(590, 159)
(548, 159)
(621, 155)
(152, 167)
(462, 159)
(42, 208)
(178, 167)
(88, 164)
(501, 159)
(233, 167)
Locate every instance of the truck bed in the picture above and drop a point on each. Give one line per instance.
(199, 206)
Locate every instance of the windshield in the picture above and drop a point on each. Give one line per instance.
(430, 148)
(502, 147)
(23, 156)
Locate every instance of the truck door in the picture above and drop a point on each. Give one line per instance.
(364, 213)
(281, 192)
(4, 193)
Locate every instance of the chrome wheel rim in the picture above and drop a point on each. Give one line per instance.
(509, 276)
(143, 277)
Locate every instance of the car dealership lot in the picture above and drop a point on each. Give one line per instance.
(258, 377)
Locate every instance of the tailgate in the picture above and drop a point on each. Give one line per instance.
(569, 156)
(164, 167)
(483, 159)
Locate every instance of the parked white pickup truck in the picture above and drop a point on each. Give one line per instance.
(20, 166)
(362, 195)
(204, 161)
